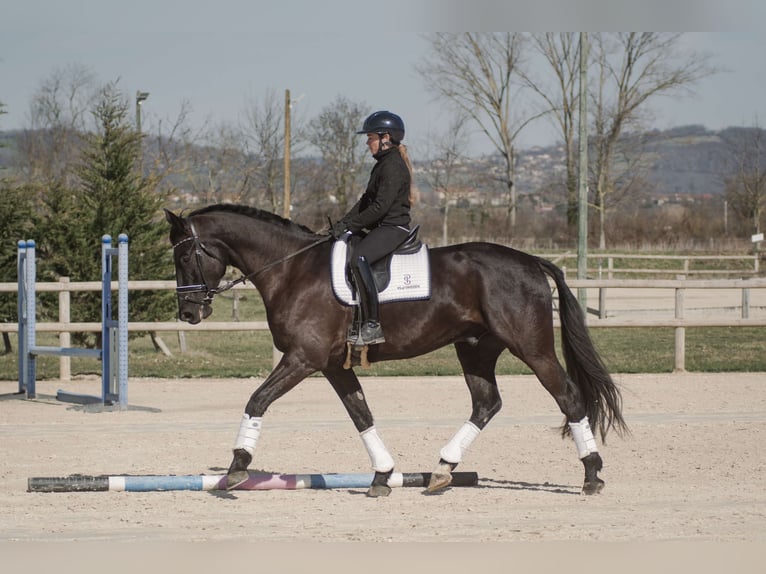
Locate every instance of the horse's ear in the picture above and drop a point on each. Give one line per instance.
(174, 221)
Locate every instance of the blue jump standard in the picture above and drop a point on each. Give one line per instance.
(152, 483)
(114, 332)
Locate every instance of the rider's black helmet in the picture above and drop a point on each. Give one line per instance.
(384, 122)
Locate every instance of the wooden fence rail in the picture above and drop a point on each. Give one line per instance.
(597, 318)
(685, 264)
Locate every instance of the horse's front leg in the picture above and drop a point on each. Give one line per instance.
(288, 373)
(350, 392)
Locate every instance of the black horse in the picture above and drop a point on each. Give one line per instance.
(485, 298)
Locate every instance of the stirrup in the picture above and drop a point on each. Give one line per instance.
(352, 334)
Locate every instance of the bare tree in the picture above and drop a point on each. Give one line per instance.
(745, 184)
(333, 134)
(16, 220)
(475, 73)
(171, 139)
(58, 116)
(561, 51)
(264, 140)
(445, 157)
(64, 99)
(632, 68)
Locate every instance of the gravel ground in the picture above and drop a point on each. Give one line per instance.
(689, 480)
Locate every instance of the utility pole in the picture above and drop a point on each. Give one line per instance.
(286, 195)
(582, 206)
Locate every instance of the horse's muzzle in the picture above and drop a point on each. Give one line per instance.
(195, 314)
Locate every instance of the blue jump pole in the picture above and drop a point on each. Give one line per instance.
(257, 481)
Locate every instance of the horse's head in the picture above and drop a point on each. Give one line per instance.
(198, 270)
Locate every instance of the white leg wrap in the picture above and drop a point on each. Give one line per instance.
(583, 438)
(249, 431)
(381, 459)
(454, 450)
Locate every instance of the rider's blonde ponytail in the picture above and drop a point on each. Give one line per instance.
(406, 158)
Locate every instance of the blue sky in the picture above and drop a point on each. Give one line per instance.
(220, 56)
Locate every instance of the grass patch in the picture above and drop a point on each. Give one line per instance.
(249, 354)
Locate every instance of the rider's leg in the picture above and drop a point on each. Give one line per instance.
(378, 243)
(371, 332)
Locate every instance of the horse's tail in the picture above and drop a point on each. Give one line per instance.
(583, 364)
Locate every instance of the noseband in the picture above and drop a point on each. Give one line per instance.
(210, 292)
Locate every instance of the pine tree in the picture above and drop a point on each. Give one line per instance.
(113, 197)
(16, 213)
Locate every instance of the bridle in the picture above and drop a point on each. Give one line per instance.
(210, 292)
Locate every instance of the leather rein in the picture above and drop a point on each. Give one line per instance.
(210, 292)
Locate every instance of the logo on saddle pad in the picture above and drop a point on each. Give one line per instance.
(398, 277)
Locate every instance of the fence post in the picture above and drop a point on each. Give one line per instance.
(235, 305)
(602, 303)
(680, 332)
(65, 337)
(745, 302)
(182, 341)
(276, 356)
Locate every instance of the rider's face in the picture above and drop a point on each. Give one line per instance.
(374, 142)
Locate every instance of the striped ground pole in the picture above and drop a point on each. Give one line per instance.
(149, 483)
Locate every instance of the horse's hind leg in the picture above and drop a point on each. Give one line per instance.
(478, 361)
(349, 390)
(572, 404)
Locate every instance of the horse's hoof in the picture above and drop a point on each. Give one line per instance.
(593, 486)
(378, 490)
(439, 481)
(236, 478)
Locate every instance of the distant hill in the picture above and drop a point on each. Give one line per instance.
(686, 160)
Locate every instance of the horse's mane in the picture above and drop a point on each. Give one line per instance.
(253, 212)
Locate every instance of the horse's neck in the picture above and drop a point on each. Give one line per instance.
(269, 243)
(262, 245)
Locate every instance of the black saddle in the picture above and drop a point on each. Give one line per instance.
(381, 269)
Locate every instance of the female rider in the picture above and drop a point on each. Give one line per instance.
(380, 220)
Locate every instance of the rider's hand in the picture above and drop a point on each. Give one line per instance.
(338, 229)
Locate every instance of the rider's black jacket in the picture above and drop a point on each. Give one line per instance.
(386, 201)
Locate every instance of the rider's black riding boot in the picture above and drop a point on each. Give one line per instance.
(371, 332)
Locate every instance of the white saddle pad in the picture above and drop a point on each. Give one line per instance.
(410, 276)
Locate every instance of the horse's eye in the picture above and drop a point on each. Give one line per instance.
(186, 257)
